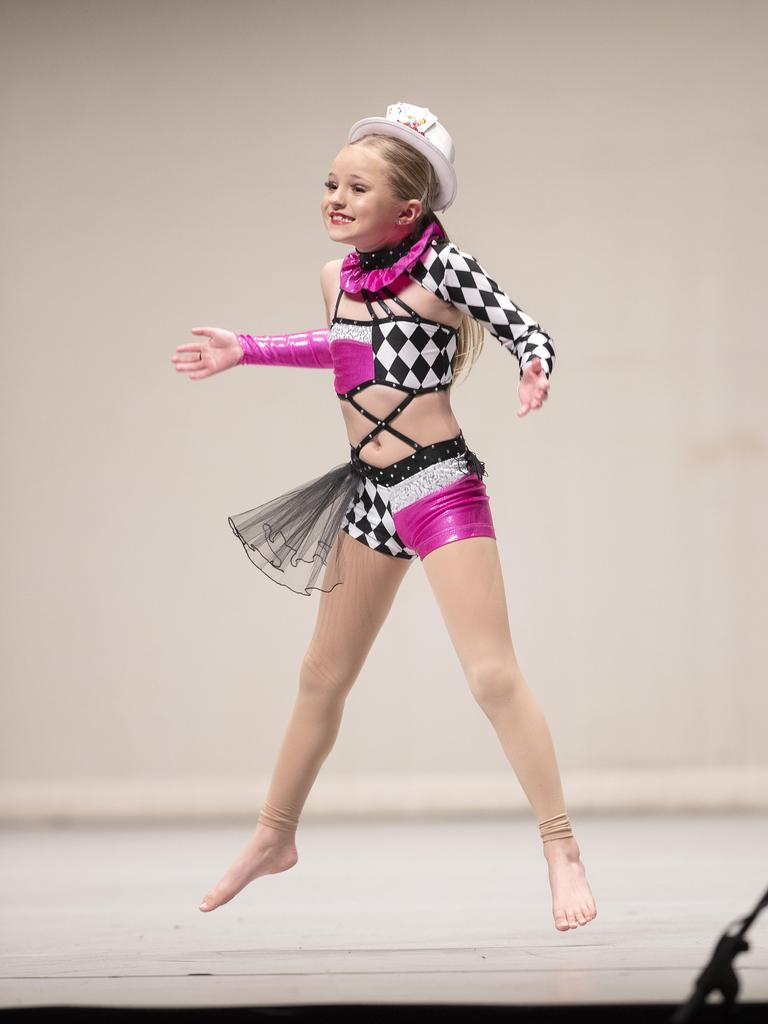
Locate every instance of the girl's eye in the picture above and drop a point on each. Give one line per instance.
(332, 184)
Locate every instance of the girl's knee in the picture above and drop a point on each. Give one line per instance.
(494, 681)
(322, 675)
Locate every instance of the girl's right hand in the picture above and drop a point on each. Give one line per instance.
(217, 350)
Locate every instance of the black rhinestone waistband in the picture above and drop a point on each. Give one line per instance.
(403, 468)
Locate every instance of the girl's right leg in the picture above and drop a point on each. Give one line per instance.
(349, 619)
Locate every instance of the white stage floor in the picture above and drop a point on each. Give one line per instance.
(449, 911)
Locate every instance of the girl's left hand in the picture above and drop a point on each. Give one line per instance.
(533, 388)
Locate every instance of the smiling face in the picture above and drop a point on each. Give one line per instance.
(358, 205)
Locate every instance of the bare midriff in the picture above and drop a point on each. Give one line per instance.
(427, 418)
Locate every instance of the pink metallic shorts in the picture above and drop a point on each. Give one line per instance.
(457, 510)
(429, 498)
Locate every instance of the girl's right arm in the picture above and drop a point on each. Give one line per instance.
(223, 349)
(309, 348)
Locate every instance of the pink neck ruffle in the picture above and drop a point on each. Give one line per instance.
(353, 279)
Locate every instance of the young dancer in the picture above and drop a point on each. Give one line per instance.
(405, 311)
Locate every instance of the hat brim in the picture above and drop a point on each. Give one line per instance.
(446, 174)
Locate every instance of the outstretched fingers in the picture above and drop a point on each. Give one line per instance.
(192, 356)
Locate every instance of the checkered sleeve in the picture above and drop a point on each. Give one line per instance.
(458, 278)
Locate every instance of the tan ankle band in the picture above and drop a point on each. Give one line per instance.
(557, 827)
(276, 818)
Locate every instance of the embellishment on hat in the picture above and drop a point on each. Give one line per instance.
(418, 118)
(353, 278)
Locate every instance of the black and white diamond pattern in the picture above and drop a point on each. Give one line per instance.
(416, 355)
(369, 520)
(458, 278)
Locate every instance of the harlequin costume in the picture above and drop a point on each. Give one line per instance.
(435, 495)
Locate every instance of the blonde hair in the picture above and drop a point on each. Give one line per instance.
(412, 176)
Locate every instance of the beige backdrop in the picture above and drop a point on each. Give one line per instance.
(162, 168)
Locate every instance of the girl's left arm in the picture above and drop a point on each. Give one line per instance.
(458, 278)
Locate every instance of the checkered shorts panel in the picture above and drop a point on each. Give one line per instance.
(369, 520)
(458, 278)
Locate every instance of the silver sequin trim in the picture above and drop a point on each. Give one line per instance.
(427, 480)
(358, 332)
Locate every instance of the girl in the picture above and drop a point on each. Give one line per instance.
(405, 310)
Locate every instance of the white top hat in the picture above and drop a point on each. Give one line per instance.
(420, 128)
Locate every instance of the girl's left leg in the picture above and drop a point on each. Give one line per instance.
(466, 579)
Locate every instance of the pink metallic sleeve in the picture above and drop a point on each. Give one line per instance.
(309, 348)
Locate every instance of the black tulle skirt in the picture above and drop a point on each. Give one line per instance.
(292, 537)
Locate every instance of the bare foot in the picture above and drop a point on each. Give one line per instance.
(572, 900)
(268, 851)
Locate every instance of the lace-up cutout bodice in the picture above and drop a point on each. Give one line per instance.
(407, 352)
